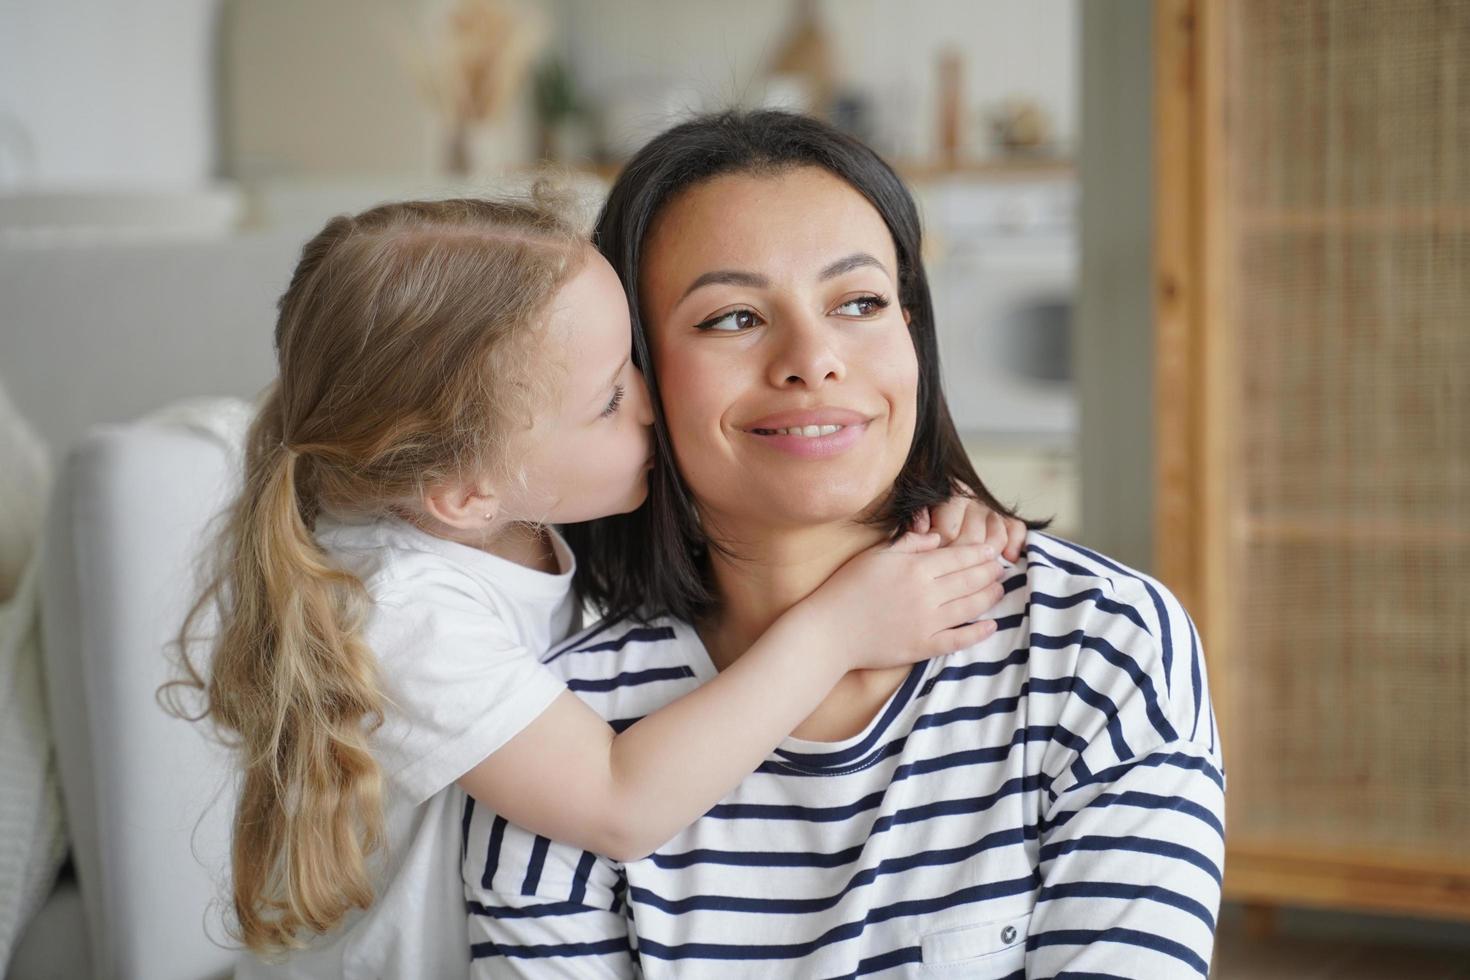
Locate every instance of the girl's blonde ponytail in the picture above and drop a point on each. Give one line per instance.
(353, 425)
(302, 710)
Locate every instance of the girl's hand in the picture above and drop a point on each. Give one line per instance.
(964, 520)
(909, 600)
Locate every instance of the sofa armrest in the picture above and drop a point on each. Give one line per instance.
(148, 796)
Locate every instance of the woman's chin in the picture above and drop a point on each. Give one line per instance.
(796, 508)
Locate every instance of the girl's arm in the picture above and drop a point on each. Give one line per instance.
(568, 777)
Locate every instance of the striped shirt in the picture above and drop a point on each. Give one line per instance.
(1048, 802)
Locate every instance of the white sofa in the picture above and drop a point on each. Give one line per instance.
(147, 795)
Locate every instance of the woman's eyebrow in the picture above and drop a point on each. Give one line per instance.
(727, 277)
(854, 261)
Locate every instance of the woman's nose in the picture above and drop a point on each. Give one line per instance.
(807, 356)
(642, 407)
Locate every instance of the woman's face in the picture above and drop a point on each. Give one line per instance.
(787, 374)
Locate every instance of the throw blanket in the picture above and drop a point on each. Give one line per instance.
(32, 835)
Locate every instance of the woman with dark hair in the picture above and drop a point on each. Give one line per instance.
(1047, 801)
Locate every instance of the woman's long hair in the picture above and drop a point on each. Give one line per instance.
(405, 343)
(654, 560)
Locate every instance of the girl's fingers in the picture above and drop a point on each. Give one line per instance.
(914, 543)
(972, 524)
(921, 521)
(945, 561)
(949, 517)
(960, 637)
(1015, 538)
(967, 581)
(995, 532)
(972, 605)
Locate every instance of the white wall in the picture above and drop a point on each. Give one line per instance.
(106, 93)
(154, 321)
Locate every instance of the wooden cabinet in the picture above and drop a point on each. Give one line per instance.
(1312, 261)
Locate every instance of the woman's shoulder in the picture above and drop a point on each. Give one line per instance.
(1071, 579)
(1120, 630)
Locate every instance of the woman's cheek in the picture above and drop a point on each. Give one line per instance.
(899, 374)
(680, 400)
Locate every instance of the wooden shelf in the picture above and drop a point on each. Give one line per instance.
(1418, 219)
(1338, 880)
(1354, 531)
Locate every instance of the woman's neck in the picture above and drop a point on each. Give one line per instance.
(768, 572)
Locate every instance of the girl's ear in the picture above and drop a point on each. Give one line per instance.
(463, 505)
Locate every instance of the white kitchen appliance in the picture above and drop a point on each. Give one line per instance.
(1003, 270)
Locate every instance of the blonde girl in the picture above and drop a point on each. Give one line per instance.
(454, 379)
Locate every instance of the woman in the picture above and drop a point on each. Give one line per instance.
(1049, 800)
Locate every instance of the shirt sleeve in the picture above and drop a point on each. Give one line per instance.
(1132, 844)
(540, 909)
(458, 684)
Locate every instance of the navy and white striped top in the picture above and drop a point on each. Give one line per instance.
(1049, 802)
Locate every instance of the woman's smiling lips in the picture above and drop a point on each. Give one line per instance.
(810, 433)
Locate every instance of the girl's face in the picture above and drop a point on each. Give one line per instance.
(788, 377)
(590, 450)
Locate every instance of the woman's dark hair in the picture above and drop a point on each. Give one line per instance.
(655, 560)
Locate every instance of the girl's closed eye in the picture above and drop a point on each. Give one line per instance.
(614, 402)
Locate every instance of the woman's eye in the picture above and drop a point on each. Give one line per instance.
(614, 402)
(730, 322)
(863, 306)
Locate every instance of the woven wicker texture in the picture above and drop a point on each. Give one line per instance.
(1350, 292)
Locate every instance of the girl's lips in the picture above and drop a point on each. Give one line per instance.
(825, 443)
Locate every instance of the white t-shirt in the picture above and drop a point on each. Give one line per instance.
(458, 635)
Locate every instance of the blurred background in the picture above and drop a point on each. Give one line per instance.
(1202, 284)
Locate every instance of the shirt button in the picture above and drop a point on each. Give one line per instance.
(1008, 934)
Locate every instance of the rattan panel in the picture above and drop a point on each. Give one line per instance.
(1350, 523)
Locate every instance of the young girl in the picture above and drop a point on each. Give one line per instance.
(454, 378)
